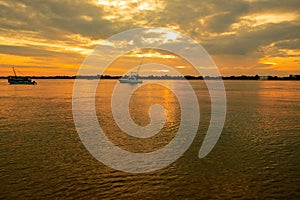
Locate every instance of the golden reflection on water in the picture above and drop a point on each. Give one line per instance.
(276, 91)
(140, 103)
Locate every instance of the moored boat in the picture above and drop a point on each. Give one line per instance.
(20, 79)
(132, 79)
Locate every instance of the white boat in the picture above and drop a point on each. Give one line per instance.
(132, 79)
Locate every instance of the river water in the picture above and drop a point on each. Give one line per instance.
(256, 157)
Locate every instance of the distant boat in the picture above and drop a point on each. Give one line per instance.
(20, 79)
(132, 79)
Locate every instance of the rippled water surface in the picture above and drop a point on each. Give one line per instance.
(257, 156)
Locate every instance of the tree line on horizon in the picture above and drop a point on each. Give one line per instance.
(167, 77)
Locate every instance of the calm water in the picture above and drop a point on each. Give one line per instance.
(257, 156)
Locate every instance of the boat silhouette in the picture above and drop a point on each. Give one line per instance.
(132, 78)
(20, 79)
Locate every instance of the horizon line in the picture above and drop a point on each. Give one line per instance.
(170, 77)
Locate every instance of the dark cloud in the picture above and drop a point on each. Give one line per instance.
(216, 16)
(24, 51)
(288, 44)
(54, 19)
(229, 13)
(248, 42)
(275, 6)
(219, 16)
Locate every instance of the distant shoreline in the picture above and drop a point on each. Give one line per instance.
(188, 77)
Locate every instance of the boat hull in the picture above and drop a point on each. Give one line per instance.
(12, 82)
(130, 81)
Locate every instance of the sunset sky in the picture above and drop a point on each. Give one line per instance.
(53, 37)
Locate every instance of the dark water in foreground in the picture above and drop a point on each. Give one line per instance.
(257, 156)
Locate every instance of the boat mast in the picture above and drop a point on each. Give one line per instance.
(14, 71)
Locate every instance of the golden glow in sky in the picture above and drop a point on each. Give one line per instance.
(243, 37)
